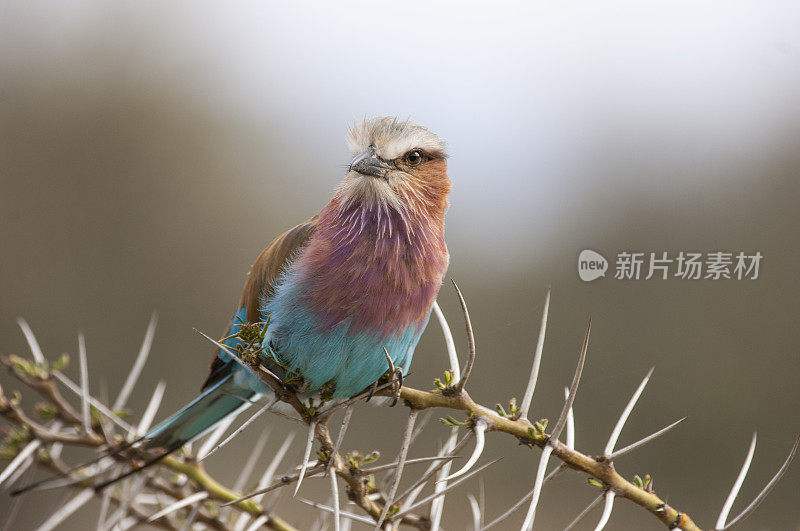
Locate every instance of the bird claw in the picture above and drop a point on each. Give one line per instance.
(372, 389)
(397, 385)
(396, 378)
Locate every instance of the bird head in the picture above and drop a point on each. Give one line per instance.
(396, 164)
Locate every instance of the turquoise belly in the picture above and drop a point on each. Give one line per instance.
(350, 360)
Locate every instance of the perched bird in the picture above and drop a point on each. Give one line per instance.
(359, 277)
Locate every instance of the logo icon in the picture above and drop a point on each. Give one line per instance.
(591, 265)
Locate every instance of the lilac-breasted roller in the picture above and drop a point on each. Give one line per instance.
(360, 276)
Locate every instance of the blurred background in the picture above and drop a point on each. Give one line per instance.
(148, 152)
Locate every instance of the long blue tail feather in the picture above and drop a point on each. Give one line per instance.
(213, 405)
(200, 415)
(197, 417)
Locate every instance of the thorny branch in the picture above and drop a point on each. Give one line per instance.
(184, 501)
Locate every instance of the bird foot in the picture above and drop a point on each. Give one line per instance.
(395, 377)
(372, 390)
(397, 384)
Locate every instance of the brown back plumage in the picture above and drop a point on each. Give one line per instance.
(270, 263)
(262, 276)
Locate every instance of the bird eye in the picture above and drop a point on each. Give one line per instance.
(414, 158)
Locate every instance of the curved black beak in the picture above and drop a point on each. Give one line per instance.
(367, 163)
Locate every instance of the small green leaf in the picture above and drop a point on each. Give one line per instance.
(353, 459)
(371, 457)
(29, 368)
(45, 410)
(513, 410)
(540, 426)
(450, 421)
(323, 455)
(61, 363)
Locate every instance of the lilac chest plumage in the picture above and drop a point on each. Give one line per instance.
(366, 280)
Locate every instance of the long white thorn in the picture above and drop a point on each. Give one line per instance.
(21, 470)
(309, 443)
(476, 512)
(482, 499)
(99, 406)
(446, 454)
(348, 414)
(187, 524)
(641, 442)
(537, 359)
(104, 505)
(437, 505)
(151, 410)
(557, 471)
(241, 428)
(230, 352)
(401, 461)
(351, 516)
(33, 343)
(480, 442)
(573, 388)
(11, 509)
(138, 365)
(612, 440)
(255, 454)
(268, 474)
(335, 496)
(189, 500)
(470, 341)
(387, 466)
(66, 510)
(346, 525)
(767, 488)
(130, 488)
(450, 487)
(584, 513)
(537, 488)
(258, 522)
(570, 442)
(321, 521)
(19, 459)
(607, 508)
(145, 498)
(422, 422)
(726, 508)
(296, 420)
(215, 435)
(85, 411)
(449, 342)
